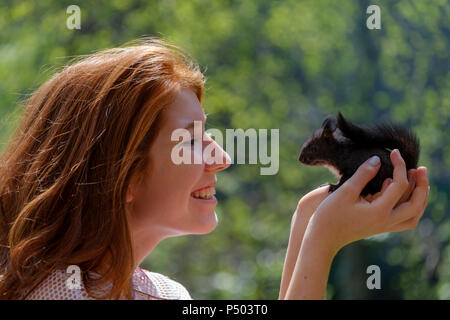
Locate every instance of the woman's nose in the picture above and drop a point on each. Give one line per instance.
(219, 160)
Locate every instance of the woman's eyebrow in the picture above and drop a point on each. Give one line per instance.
(191, 124)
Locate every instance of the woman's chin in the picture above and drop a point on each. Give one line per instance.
(206, 224)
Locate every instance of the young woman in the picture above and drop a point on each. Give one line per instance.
(88, 182)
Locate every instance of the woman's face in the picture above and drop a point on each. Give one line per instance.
(167, 203)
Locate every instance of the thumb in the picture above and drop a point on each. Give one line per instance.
(361, 177)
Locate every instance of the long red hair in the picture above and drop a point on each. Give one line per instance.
(64, 175)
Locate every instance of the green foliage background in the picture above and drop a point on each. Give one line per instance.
(274, 64)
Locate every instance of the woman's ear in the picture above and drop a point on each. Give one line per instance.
(130, 195)
(132, 189)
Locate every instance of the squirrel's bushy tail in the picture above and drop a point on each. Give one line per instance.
(383, 136)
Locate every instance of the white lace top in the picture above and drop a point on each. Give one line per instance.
(146, 286)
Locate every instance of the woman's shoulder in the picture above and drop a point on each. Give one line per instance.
(146, 285)
(57, 286)
(161, 286)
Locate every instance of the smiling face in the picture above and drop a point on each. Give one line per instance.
(168, 202)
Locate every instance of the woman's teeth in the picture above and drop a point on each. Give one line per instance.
(205, 193)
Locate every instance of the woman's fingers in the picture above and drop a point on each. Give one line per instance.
(412, 184)
(420, 194)
(399, 184)
(370, 197)
(386, 183)
(409, 224)
(416, 205)
(353, 186)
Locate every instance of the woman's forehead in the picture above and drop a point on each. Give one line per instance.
(184, 110)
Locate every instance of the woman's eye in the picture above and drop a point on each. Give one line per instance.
(189, 142)
(192, 141)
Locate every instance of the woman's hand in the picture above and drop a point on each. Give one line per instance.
(305, 209)
(405, 197)
(344, 217)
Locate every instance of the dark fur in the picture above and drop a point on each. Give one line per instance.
(344, 146)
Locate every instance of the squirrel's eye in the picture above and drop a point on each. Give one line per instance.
(313, 148)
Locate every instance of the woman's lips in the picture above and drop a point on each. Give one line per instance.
(209, 186)
(212, 200)
(204, 193)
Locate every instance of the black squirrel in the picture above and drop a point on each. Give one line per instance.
(342, 147)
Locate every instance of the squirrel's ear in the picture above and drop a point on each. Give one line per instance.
(341, 122)
(329, 126)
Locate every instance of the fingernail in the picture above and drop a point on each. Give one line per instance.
(374, 161)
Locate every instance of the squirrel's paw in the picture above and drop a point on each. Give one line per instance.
(333, 187)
